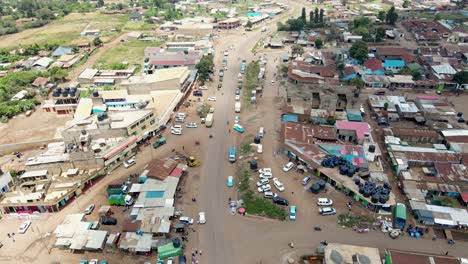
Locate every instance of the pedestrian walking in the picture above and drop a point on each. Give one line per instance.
(200, 252)
(446, 253)
(8, 235)
(196, 251)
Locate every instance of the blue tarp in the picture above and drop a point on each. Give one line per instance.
(290, 118)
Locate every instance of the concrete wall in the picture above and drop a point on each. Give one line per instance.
(22, 146)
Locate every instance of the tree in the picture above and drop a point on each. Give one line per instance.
(303, 15)
(205, 67)
(318, 43)
(391, 17)
(321, 16)
(57, 74)
(283, 68)
(97, 42)
(379, 34)
(358, 82)
(381, 16)
(248, 24)
(405, 4)
(311, 17)
(359, 51)
(100, 3)
(417, 75)
(296, 24)
(316, 15)
(461, 77)
(297, 50)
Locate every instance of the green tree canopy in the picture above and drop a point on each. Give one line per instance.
(359, 51)
(318, 43)
(461, 77)
(204, 67)
(248, 24)
(297, 50)
(391, 16)
(97, 41)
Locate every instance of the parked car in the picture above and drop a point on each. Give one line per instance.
(201, 218)
(213, 98)
(186, 220)
(108, 221)
(236, 120)
(327, 211)
(197, 93)
(264, 188)
(324, 202)
(270, 195)
(237, 92)
(230, 181)
(181, 115)
(191, 125)
(280, 201)
(176, 127)
(180, 119)
(170, 260)
(288, 166)
(306, 180)
(265, 171)
(292, 213)
(220, 85)
(93, 261)
(262, 182)
(237, 97)
(84, 261)
(265, 175)
(129, 163)
(204, 87)
(24, 227)
(103, 262)
(89, 209)
(278, 185)
(176, 132)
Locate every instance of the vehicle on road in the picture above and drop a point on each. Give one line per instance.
(213, 98)
(230, 181)
(201, 218)
(327, 211)
(204, 87)
(306, 180)
(209, 120)
(221, 73)
(186, 220)
(399, 221)
(236, 120)
(170, 260)
(93, 261)
(262, 182)
(176, 127)
(278, 185)
(237, 97)
(24, 227)
(120, 199)
(261, 132)
(292, 213)
(270, 195)
(324, 202)
(220, 85)
(232, 154)
(238, 128)
(129, 163)
(237, 107)
(237, 92)
(181, 115)
(272, 81)
(197, 93)
(191, 125)
(264, 188)
(176, 131)
(89, 209)
(84, 261)
(108, 221)
(280, 201)
(161, 141)
(288, 166)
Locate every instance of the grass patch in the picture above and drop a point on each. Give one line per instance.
(251, 80)
(131, 52)
(257, 205)
(137, 25)
(246, 148)
(352, 220)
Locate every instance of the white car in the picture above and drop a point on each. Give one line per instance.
(236, 120)
(262, 182)
(203, 87)
(265, 175)
(176, 132)
(237, 97)
(180, 120)
(129, 163)
(24, 227)
(264, 188)
(270, 195)
(89, 209)
(288, 166)
(201, 218)
(176, 127)
(324, 202)
(181, 115)
(186, 220)
(191, 125)
(265, 170)
(278, 185)
(272, 81)
(93, 261)
(213, 98)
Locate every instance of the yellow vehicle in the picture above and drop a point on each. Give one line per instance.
(192, 162)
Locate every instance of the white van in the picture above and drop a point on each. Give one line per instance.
(261, 132)
(201, 218)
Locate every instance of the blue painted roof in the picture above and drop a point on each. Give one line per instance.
(393, 63)
(62, 51)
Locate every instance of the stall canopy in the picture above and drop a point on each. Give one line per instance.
(168, 250)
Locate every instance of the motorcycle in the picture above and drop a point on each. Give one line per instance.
(317, 228)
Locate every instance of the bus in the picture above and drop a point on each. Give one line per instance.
(232, 154)
(400, 216)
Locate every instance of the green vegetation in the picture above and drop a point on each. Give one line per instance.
(445, 201)
(316, 20)
(205, 67)
(248, 24)
(318, 43)
(246, 148)
(461, 77)
(359, 51)
(131, 52)
(370, 31)
(257, 205)
(352, 220)
(297, 50)
(414, 73)
(391, 17)
(251, 79)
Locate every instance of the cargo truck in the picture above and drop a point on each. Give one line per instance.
(237, 107)
(116, 189)
(209, 120)
(120, 199)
